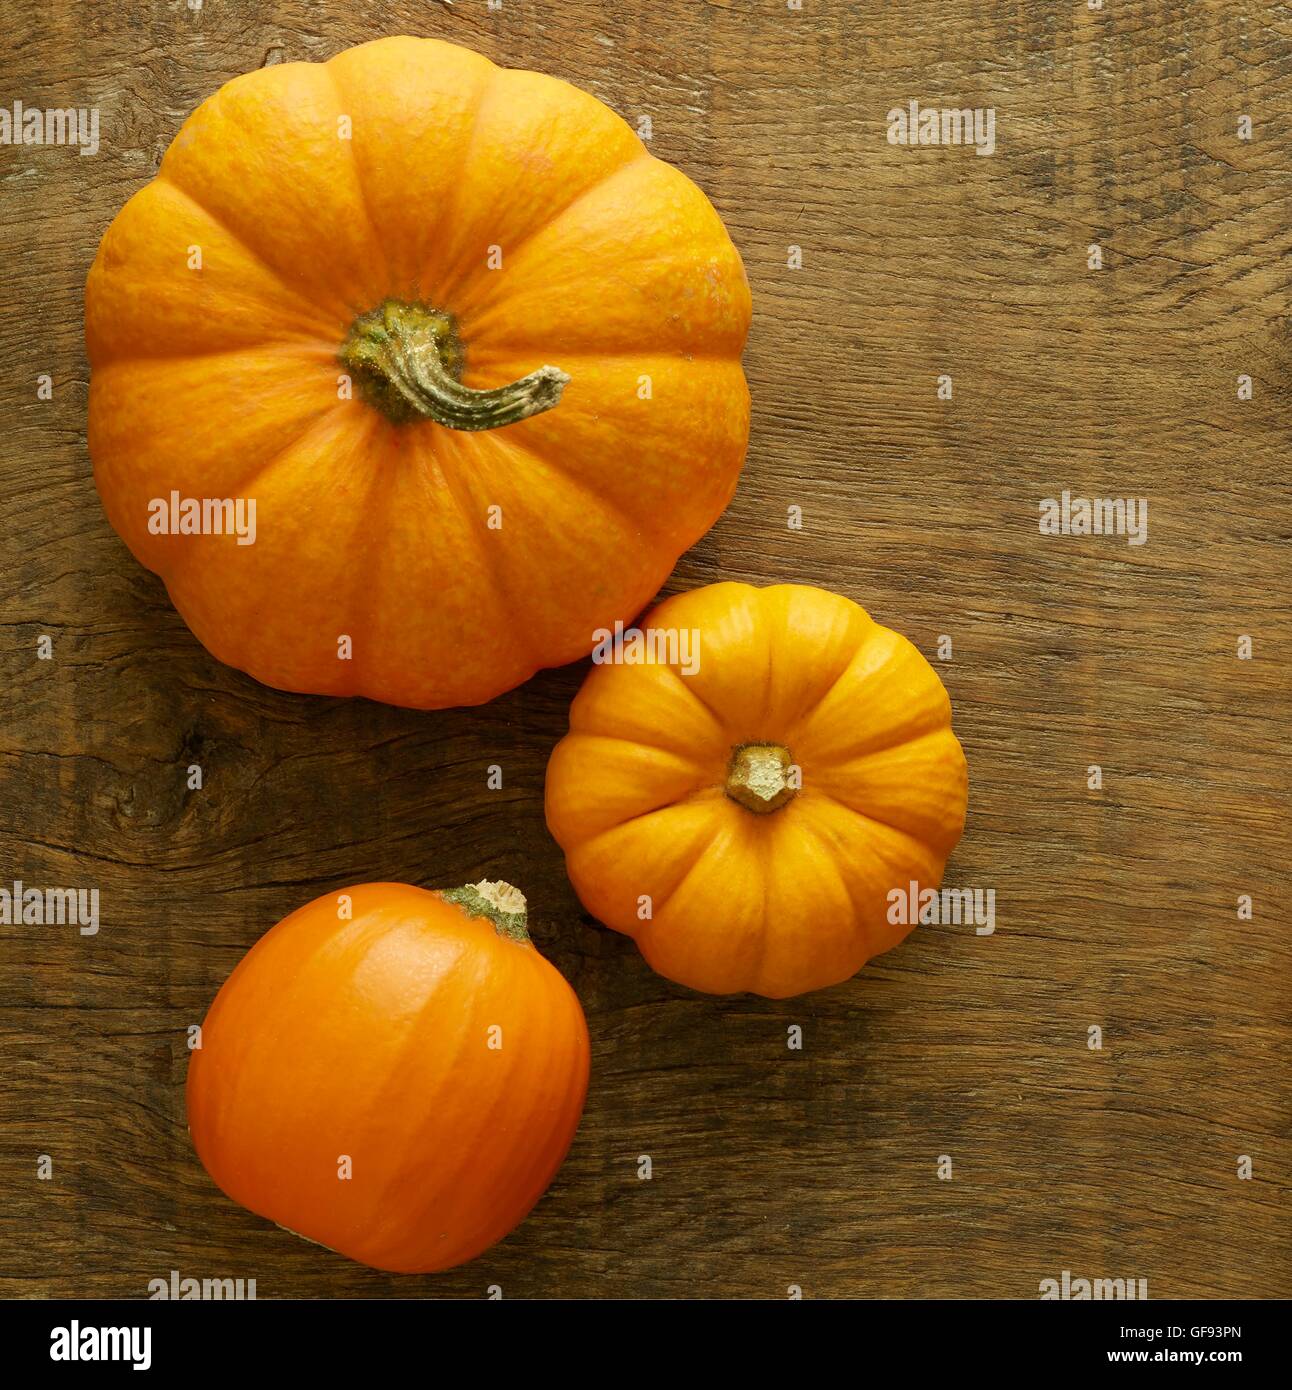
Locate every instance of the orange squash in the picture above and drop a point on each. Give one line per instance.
(393, 1073)
(747, 822)
(473, 353)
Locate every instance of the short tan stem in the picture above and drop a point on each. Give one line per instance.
(407, 360)
(502, 904)
(759, 777)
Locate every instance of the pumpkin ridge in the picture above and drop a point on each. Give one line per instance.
(296, 987)
(654, 617)
(708, 248)
(903, 740)
(764, 935)
(365, 599)
(884, 825)
(483, 1120)
(279, 276)
(582, 489)
(299, 98)
(659, 907)
(427, 487)
(550, 452)
(721, 721)
(705, 791)
(482, 323)
(902, 646)
(699, 795)
(769, 596)
(888, 745)
(395, 1089)
(374, 236)
(454, 482)
(516, 248)
(355, 599)
(937, 858)
(574, 1082)
(431, 473)
(304, 346)
(500, 347)
(586, 718)
(321, 350)
(889, 825)
(896, 740)
(533, 1155)
(635, 742)
(450, 275)
(429, 294)
(859, 930)
(632, 523)
(643, 938)
(575, 1092)
(190, 554)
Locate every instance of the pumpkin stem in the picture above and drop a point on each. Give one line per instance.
(759, 777)
(502, 904)
(407, 361)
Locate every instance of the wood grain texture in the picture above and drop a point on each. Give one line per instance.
(1115, 908)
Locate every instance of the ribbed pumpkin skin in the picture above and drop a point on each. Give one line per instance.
(223, 382)
(777, 903)
(369, 1038)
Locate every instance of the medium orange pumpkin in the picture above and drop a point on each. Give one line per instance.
(747, 823)
(393, 1073)
(534, 328)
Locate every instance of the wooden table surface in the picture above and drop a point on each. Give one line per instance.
(1117, 908)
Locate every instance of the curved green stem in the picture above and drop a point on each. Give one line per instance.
(407, 361)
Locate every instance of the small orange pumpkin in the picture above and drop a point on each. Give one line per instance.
(393, 1073)
(471, 351)
(747, 822)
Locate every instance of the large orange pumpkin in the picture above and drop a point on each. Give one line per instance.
(471, 350)
(393, 1073)
(751, 780)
